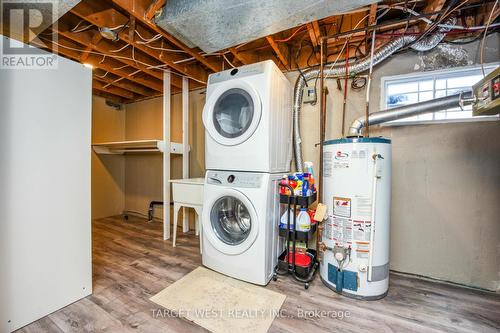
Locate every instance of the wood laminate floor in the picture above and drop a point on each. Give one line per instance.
(131, 263)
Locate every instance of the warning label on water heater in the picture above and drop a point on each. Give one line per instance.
(339, 230)
(342, 207)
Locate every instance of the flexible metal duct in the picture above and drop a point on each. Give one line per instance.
(438, 104)
(383, 53)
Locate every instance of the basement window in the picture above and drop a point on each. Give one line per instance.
(407, 89)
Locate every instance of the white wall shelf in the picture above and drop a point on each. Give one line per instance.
(137, 146)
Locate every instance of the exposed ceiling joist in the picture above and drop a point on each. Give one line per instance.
(138, 9)
(101, 15)
(110, 97)
(110, 89)
(153, 8)
(280, 51)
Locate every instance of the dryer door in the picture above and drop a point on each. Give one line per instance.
(230, 221)
(232, 113)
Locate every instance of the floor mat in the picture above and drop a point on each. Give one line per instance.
(221, 304)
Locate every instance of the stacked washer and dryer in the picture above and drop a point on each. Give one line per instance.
(248, 133)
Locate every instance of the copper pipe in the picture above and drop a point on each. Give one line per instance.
(321, 116)
(346, 80)
(322, 125)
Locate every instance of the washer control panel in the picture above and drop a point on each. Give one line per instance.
(234, 179)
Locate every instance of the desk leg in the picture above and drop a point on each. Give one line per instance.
(198, 226)
(185, 220)
(177, 207)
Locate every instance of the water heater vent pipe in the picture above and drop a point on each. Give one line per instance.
(458, 100)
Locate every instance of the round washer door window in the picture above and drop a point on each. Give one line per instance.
(233, 113)
(231, 220)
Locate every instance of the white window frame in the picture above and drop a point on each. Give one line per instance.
(449, 72)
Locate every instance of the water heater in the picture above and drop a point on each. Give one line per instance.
(357, 191)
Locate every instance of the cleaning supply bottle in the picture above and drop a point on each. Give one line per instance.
(308, 166)
(305, 188)
(284, 219)
(292, 182)
(309, 169)
(303, 220)
(283, 189)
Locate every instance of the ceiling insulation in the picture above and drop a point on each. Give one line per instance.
(213, 25)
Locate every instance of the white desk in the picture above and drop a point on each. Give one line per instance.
(187, 193)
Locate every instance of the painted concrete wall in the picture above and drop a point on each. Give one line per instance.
(108, 171)
(446, 183)
(143, 172)
(446, 178)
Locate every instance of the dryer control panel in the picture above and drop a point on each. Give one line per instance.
(234, 179)
(243, 71)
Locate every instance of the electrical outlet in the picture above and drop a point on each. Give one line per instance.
(309, 95)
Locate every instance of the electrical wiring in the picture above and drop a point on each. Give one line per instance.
(149, 66)
(299, 50)
(347, 41)
(163, 49)
(484, 36)
(120, 49)
(183, 60)
(113, 82)
(76, 30)
(146, 41)
(358, 82)
(291, 36)
(435, 24)
(120, 67)
(227, 60)
(471, 39)
(119, 26)
(428, 21)
(101, 76)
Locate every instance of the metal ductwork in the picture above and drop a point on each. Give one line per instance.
(359, 66)
(214, 25)
(434, 105)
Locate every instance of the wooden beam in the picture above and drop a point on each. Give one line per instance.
(372, 14)
(93, 43)
(110, 97)
(153, 8)
(314, 32)
(244, 57)
(431, 6)
(104, 47)
(281, 52)
(67, 49)
(138, 9)
(123, 83)
(100, 14)
(98, 85)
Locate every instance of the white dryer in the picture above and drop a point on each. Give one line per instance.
(240, 224)
(248, 119)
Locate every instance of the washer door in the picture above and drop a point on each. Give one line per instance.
(232, 113)
(230, 222)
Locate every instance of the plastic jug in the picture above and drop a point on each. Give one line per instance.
(303, 220)
(284, 219)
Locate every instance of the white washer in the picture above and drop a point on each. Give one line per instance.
(248, 119)
(240, 224)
